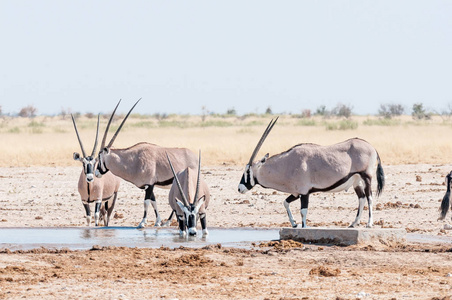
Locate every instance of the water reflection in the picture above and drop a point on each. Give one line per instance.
(85, 238)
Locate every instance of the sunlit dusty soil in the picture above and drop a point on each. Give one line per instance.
(44, 196)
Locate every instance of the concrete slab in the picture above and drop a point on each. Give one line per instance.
(344, 236)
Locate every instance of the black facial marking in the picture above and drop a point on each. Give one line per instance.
(247, 184)
(191, 221)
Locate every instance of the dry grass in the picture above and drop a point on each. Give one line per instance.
(50, 141)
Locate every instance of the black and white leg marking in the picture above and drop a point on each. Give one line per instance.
(304, 199)
(88, 213)
(287, 202)
(359, 189)
(182, 225)
(97, 212)
(203, 220)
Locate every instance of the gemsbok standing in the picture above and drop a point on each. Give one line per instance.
(92, 189)
(145, 165)
(308, 168)
(189, 197)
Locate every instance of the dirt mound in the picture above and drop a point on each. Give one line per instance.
(192, 260)
(282, 244)
(324, 271)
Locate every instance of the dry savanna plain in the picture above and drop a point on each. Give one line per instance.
(38, 188)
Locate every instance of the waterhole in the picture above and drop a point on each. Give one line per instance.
(78, 238)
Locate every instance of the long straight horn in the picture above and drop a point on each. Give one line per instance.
(261, 141)
(122, 123)
(177, 181)
(102, 145)
(78, 136)
(97, 136)
(198, 180)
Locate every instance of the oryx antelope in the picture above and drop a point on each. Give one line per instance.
(92, 189)
(308, 168)
(189, 197)
(145, 165)
(446, 199)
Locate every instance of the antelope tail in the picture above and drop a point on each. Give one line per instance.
(446, 201)
(380, 177)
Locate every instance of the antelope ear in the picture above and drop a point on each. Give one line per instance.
(182, 206)
(106, 150)
(264, 159)
(200, 202)
(76, 156)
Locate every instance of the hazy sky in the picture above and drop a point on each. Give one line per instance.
(248, 55)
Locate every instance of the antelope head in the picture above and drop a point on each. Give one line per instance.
(89, 162)
(191, 210)
(248, 180)
(105, 150)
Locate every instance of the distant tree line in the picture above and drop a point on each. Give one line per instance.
(387, 111)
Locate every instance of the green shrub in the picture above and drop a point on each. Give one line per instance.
(306, 122)
(381, 122)
(14, 130)
(342, 125)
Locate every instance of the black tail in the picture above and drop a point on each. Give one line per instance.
(446, 199)
(380, 177)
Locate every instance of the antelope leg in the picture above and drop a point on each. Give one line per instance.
(97, 212)
(287, 202)
(368, 191)
(304, 209)
(158, 220)
(150, 195)
(145, 216)
(182, 226)
(110, 208)
(88, 213)
(168, 221)
(203, 220)
(362, 200)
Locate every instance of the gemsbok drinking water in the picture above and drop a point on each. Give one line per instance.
(144, 164)
(308, 168)
(189, 197)
(98, 190)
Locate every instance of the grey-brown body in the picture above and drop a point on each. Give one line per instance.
(188, 181)
(308, 168)
(145, 165)
(100, 190)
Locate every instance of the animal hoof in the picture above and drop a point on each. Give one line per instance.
(141, 225)
(352, 226)
(369, 226)
(205, 232)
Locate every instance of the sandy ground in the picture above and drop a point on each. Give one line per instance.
(46, 196)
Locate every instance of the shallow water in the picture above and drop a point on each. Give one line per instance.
(78, 238)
